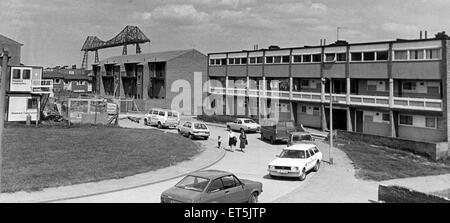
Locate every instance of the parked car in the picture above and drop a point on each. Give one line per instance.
(162, 118)
(276, 131)
(300, 137)
(296, 161)
(194, 130)
(246, 124)
(213, 186)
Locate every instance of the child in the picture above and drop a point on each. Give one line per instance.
(219, 142)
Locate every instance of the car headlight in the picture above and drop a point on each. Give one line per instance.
(271, 167)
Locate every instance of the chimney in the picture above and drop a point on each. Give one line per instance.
(420, 34)
(426, 34)
(324, 42)
(320, 42)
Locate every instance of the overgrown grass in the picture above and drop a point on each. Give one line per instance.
(37, 158)
(382, 163)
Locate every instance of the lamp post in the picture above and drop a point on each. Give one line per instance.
(4, 69)
(331, 120)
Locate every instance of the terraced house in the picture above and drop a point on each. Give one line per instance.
(395, 88)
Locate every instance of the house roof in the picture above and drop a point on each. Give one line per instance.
(7, 41)
(146, 57)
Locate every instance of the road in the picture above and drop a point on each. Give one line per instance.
(252, 164)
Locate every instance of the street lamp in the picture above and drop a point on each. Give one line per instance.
(331, 120)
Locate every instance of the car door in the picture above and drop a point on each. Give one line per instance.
(185, 128)
(215, 193)
(308, 160)
(313, 157)
(234, 192)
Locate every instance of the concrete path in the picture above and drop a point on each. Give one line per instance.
(205, 159)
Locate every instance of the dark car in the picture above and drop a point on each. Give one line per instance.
(276, 130)
(213, 186)
(300, 137)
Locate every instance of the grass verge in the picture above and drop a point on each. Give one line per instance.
(382, 163)
(37, 158)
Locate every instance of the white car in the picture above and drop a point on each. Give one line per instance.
(296, 161)
(246, 124)
(162, 118)
(194, 130)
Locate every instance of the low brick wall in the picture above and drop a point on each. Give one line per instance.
(434, 151)
(398, 194)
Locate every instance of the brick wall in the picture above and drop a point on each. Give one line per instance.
(434, 151)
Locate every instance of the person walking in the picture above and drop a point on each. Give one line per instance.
(219, 142)
(243, 140)
(231, 140)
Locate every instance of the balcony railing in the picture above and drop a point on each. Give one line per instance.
(42, 86)
(418, 103)
(361, 100)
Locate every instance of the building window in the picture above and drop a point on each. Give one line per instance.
(26, 74)
(304, 83)
(297, 59)
(356, 56)
(416, 55)
(382, 55)
(433, 54)
(259, 60)
(330, 57)
(386, 117)
(316, 111)
(244, 60)
(406, 120)
(303, 109)
(371, 87)
(306, 58)
(286, 59)
(252, 60)
(277, 59)
(16, 74)
(212, 62)
(316, 58)
(224, 61)
(369, 56)
(341, 57)
(32, 103)
(218, 61)
(269, 59)
(231, 61)
(409, 86)
(430, 122)
(401, 55)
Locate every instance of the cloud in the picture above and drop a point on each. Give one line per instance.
(299, 9)
(400, 28)
(176, 15)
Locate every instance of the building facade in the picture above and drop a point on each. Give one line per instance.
(148, 78)
(393, 88)
(69, 79)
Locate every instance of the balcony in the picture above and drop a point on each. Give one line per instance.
(42, 86)
(423, 104)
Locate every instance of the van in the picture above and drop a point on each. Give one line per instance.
(276, 130)
(162, 118)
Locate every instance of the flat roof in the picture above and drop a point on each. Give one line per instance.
(333, 45)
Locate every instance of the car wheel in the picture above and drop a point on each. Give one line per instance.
(272, 141)
(303, 175)
(159, 125)
(317, 166)
(191, 136)
(253, 198)
(145, 122)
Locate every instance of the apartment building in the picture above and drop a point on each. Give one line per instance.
(395, 88)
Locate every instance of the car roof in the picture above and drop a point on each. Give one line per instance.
(304, 146)
(211, 174)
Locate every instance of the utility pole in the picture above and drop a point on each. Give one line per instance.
(331, 120)
(4, 71)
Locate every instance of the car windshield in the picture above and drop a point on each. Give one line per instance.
(193, 183)
(200, 126)
(301, 138)
(249, 121)
(293, 154)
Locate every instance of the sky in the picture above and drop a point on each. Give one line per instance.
(53, 31)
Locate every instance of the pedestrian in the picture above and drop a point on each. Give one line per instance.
(243, 140)
(219, 142)
(231, 140)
